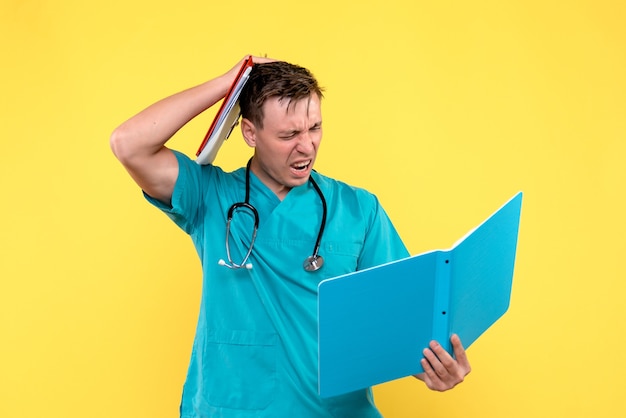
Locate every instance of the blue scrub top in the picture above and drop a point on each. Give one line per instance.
(255, 350)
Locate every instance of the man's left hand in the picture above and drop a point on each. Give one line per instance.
(441, 371)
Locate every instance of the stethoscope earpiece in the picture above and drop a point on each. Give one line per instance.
(221, 262)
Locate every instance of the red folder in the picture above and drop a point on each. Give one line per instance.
(226, 118)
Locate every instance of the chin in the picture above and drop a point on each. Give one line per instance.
(300, 181)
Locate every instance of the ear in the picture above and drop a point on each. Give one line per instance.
(248, 131)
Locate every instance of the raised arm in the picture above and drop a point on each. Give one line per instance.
(139, 143)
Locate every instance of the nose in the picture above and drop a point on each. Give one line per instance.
(306, 143)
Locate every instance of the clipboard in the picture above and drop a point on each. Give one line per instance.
(226, 119)
(374, 324)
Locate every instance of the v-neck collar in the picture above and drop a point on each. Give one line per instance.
(257, 187)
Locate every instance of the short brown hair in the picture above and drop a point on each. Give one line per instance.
(275, 79)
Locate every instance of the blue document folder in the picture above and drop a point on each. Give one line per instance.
(375, 323)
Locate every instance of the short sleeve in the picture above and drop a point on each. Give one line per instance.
(187, 197)
(382, 243)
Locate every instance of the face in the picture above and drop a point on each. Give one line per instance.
(286, 146)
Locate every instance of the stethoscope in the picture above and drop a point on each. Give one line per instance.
(312, 263)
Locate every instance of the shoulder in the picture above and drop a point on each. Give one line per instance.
(201, 185)
(191, 168)
(345, 200)
(344, 191)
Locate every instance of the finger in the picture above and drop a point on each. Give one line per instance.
(430, 377)
(459, 352)
(441, 353)
(429, 373)
(435, 363)
(450, 368)
(262, 60)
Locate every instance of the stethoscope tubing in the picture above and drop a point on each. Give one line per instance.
(312, 263)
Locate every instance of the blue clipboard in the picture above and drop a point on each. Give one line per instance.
(374, 324)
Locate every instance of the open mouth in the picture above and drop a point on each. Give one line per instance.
(301, 166)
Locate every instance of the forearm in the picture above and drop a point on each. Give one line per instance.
(147, 132)
(139, 143)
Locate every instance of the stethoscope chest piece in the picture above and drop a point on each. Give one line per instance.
(313, 263)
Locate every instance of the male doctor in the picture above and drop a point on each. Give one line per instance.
(266, 235)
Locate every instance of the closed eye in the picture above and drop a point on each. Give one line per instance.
(289, 135)
(316, 127)
(292, 134)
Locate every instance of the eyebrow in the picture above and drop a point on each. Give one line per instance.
(296, 131)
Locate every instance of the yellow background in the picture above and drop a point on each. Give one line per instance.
(443, 109)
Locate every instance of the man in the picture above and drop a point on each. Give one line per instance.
(255, 350)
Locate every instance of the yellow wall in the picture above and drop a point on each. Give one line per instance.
(444, 109)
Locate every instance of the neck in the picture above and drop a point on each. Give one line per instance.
(279, 189)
